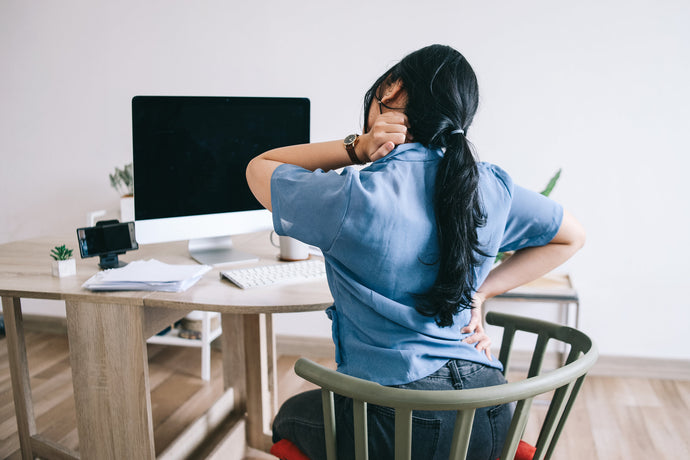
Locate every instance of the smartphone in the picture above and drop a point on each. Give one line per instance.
(109, 237)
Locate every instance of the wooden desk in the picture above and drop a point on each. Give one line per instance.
(552, 288)
(107, 335)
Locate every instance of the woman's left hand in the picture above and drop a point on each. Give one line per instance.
(476, 328)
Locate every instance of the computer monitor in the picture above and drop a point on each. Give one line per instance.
(190, 156)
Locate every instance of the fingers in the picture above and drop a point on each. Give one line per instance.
(482, 341)
(382, 151)
(391, 123)
(398, 118)
(385, 132)
(389, 128)
(476, 336)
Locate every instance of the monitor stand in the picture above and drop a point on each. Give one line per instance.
(218, 251)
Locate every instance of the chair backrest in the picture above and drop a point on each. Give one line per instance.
(566, 380)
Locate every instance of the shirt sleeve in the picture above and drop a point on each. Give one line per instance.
(533, 220)
(309, 205)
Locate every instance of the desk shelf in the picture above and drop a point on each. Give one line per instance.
(172, 338)
(556, 288)
(207, 336)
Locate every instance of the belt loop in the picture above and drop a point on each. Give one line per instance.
(455, 374)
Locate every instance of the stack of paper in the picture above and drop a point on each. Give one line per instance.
(147, 275)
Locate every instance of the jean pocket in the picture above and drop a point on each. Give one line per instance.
(499, 421)
(381, 421)
(475, 375)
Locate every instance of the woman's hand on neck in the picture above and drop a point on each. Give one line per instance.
(388, 130)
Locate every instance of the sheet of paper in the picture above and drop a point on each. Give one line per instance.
(147, 275)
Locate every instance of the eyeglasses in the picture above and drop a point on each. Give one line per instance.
(381, 104)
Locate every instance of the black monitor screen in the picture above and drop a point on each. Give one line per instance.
(191, 153)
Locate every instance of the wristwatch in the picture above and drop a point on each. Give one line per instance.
(350, 142)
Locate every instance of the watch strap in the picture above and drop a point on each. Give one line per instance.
(350, 148)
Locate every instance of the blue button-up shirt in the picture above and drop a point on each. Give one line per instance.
(376, 228)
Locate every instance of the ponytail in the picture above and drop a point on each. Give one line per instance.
(443, 96)
(458, 215)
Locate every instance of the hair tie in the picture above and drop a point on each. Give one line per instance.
(458, 131)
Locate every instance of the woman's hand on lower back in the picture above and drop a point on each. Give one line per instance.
(476, 328)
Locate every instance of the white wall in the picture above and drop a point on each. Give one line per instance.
(597, 88)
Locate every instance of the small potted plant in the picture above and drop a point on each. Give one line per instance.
(63, 262)
(122, 180)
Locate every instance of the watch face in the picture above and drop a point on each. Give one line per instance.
(350, 139)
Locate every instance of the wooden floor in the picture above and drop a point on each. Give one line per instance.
(614, 418)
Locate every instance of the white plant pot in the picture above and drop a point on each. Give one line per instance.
(127, 209)
(62, 268)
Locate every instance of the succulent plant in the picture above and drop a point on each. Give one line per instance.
(61, 253)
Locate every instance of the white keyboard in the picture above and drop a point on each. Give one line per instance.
(268, 275)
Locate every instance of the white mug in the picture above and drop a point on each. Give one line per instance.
(290, 248)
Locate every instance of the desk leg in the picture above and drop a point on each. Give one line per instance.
(576, 320)
(261, 368)
(206, 346)
(19, 368)
(233, 359)
(570, 317)
(110, 377)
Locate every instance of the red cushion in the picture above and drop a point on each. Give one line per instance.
(525, 451)
(286, 450)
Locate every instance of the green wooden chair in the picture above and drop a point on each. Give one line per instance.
(565, 380)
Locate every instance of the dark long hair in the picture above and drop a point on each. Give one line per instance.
(443, 96)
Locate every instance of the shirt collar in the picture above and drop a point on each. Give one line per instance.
(413, 151)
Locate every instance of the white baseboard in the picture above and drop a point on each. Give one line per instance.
(630, 366)
(322, 347)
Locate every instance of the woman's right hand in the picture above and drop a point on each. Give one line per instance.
(389, 129)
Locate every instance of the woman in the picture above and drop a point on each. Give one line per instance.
(409, 244)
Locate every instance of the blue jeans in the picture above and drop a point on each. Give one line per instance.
(300, 420)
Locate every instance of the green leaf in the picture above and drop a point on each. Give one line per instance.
(122, 180)
(61, 252)
(552, 183)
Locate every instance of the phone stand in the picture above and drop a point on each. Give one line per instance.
(107, 240)
(110, 261)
